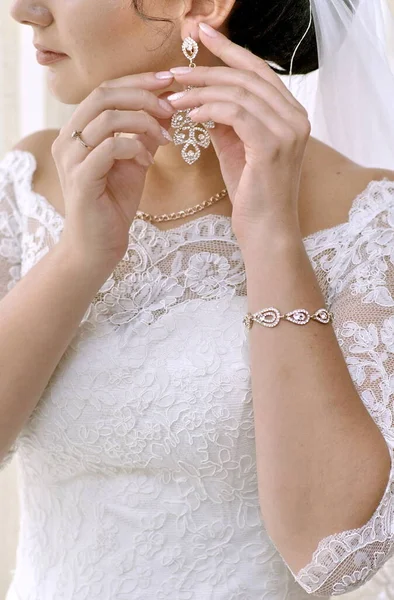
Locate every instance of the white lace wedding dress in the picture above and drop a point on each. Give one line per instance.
(137, 473)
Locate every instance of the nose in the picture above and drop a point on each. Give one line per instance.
(28, 12)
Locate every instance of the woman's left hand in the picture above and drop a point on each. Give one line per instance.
(260, 136)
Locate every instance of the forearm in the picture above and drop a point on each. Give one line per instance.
(38, 319)
(322, 462)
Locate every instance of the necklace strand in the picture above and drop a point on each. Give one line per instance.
(182, 213)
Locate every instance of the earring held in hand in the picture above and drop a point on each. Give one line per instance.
(188, 133)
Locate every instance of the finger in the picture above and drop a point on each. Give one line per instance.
(148, 81)
(101, 159)
(258, 105)
(204, 76)
(110, 122)
(148, 142)
(237, 57)
(256, 135)
(126, 98)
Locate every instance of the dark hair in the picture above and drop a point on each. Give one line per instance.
(272, 29)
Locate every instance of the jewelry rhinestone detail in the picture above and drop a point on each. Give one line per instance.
(190, 49)
(188, 133)
(270, 317)
(300, 316)
(191, 134)
(323, 316)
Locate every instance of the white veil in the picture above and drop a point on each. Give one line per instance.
(350, 98)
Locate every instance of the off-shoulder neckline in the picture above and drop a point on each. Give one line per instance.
(213, 217)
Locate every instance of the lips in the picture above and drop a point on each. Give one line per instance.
(45, 49)
(46, 58)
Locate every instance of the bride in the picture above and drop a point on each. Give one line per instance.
(169, 444)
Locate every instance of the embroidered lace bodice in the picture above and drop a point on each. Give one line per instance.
(137, 469)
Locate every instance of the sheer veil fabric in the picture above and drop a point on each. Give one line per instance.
(350, 96)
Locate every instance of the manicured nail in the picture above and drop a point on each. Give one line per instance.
(166, 105)
(181, 70)
(177, 96)
(164, 75)
(145, 160)
(208, 29)
(166, 134)
(193, 112)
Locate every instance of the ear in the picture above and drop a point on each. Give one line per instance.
(213, 12)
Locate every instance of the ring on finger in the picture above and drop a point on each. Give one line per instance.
(77, 135)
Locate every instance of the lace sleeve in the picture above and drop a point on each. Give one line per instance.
(10, 243)
(363, 307)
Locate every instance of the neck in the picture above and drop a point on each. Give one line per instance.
(173, 185)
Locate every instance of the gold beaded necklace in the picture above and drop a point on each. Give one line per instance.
(182, 213)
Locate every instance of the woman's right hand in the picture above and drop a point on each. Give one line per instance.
(102, 188)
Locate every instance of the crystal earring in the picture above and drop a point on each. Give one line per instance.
(188, 132)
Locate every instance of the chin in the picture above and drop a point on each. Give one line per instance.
(65, 90)
(66, 86)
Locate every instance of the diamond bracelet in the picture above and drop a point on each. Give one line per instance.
(270, 317)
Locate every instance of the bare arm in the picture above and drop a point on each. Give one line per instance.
(322, 407)
(40, 315)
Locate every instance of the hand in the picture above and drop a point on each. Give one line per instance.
(102, 187)
(260, 137)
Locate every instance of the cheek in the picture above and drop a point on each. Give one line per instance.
(111, 40)
(106, 39)
(97, 25)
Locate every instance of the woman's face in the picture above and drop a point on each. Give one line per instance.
(105, 39)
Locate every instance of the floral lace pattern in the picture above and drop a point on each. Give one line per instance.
(137, 467)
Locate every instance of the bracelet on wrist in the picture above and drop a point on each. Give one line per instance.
(270, 317)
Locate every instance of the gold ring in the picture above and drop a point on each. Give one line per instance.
(77, 135)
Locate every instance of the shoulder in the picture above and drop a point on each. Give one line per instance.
(383, 173)
(20, 163)
(38, 143)
(330, 185)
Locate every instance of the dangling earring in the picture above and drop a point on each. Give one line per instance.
(188, 132)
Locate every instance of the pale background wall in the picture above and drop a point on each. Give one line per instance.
(25, 106)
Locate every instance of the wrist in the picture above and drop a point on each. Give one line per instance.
(96, 269)
(269, 240)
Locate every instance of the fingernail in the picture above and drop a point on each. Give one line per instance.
(193, 112)
(181, 70)
(166, 105)
(164, 75)
(145, 160)
(166, 134)
(208, 29)
(177, 96)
